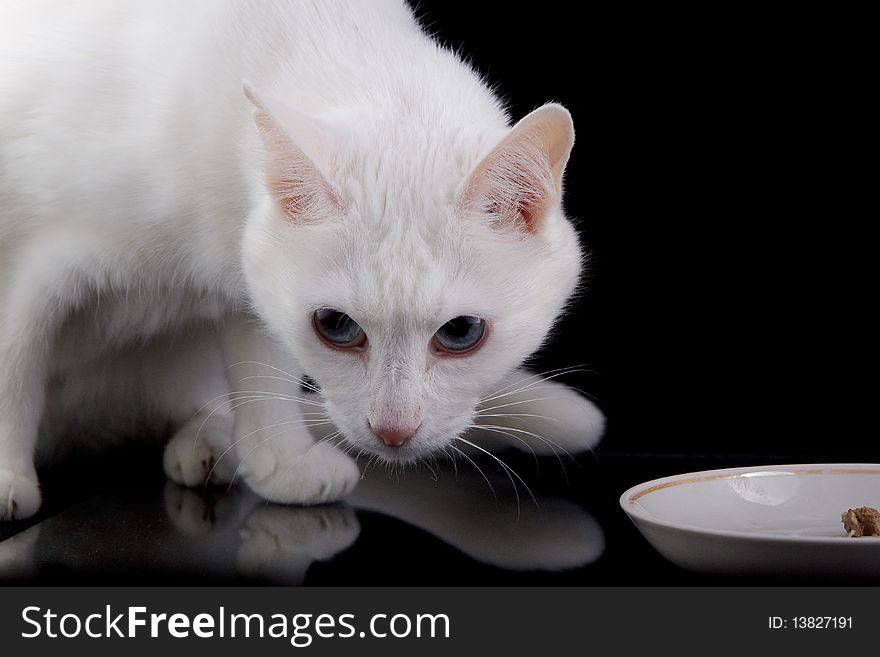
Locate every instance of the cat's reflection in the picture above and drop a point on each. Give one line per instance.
(217, 533)
(274, 542)
(16, 553)
(281, 543)
(501, 530)
(500, 526)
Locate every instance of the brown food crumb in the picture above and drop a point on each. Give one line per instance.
(863, 521)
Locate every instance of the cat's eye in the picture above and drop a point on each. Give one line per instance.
(338, 330)
(460, 335)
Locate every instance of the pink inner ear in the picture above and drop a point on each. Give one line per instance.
(297, 201)
(514, 185)
(522, 209)
(291, 176)
(520, 181)
(529, 217)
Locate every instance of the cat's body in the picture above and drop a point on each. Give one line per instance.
(151, 231)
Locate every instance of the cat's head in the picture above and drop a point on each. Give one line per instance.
(409, 274)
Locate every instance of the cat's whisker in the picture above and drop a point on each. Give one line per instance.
(236, 442)
(211, 401)
(248, 396)
(233, 404)
(535, 385)
(337, 440)
(550, 443)
(214, 410)
(278, 395)
(433, 472)
(515, 403)
(367, 466)
(244, 401)
(308, 422)
(532, 376)
(217, 462)
(451, 457)
(508, 470)
(329, 438)
(235, 399)
(548, 375)
(348, 449)
(478, 468)
(273, 377)
(262, 364)
(326, 439)
(244, 458)
(543, 387)
(541, 417)
(553, 446)
(264, 397)
(290, 376)
(500, 430)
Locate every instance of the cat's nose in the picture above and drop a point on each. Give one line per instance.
(394, 437)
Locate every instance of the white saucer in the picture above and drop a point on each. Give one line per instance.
(778, 519)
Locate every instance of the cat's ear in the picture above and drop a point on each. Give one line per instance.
(520, 180)
(291, 175)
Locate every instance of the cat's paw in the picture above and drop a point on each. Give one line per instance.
(570, 421)
(194, 454)
(319, 475)
(188, 462)
(19, 495)
(283, 541)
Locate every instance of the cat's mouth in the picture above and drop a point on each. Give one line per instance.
(418, 446)
(402, 454)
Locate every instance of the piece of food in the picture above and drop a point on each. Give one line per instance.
(863, 521)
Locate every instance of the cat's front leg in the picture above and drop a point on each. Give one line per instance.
(24, 336)
(537, 414)
(276, 453)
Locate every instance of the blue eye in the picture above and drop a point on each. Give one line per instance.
(338, 329)
(460, 335)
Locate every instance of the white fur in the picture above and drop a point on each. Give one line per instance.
(155, 230)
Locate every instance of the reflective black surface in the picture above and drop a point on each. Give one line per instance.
(116, 520)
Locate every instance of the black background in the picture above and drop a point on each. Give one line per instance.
(722, 312)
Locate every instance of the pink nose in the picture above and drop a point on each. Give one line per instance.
(394, 437)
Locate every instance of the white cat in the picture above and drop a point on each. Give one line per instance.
(362, 213)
